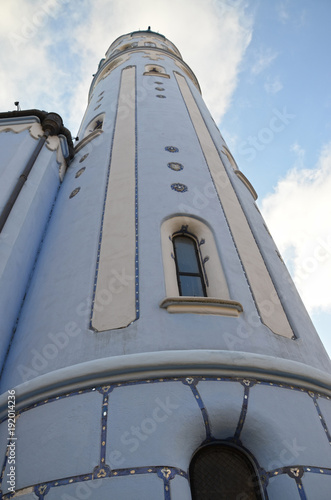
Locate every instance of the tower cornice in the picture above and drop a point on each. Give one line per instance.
(167, 364)
(109, 61)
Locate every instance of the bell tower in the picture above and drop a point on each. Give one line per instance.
(158, 348)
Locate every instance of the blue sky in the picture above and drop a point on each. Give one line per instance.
(264, 69)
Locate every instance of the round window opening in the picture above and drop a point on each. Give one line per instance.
(175, 166)
(171, 149)
(80, 171)
(74, 192)
(83, 158)
(180, 188)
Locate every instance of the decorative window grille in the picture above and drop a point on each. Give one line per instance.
(221, 472)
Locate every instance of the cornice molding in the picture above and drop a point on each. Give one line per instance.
(169, 364)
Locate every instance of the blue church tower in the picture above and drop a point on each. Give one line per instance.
(153, 345)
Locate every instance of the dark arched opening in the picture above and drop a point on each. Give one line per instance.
(222, 472)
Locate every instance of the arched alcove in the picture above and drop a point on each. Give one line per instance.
(222, 472)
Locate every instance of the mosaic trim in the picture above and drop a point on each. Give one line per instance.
(247, 384)
(136, 206)
(104, 413)
(180, 188)
(166, 472)
(171, 149)
(320, 415)
(192, 383)
(296, 473)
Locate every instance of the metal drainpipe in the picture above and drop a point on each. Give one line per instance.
(51, 126)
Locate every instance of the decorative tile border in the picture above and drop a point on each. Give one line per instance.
(192, 383)
(166, 472)
(247, 384)
(320, 415)
(136, 210)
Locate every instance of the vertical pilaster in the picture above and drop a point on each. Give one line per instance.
(116, 268)
(265, 295)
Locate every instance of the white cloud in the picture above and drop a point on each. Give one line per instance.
(282, 12)
(211, 36)
(273, 86)
(297, 19)
(263, 59)
(37, 65)
(58, 47)
(298, 214)
(299, 153)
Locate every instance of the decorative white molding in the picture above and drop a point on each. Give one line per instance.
(249, 186)
(32, 124)
(118, 243)
(18, 125)
(265, 295)
(87, 139)
(53, 143)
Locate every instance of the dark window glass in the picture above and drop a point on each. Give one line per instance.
(191, 286)
(189, 272)
(220, 472)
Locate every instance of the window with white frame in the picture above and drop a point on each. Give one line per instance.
(194, 278)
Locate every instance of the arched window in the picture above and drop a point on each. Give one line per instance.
(188, 266)
(222, 472)
(155, 70)
(95, 125)
(194, 278)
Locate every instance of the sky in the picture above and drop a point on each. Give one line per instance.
(265, 73)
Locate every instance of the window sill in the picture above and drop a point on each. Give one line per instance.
(87, 139)
(202, 305)
(154, 73)
(249, 186)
